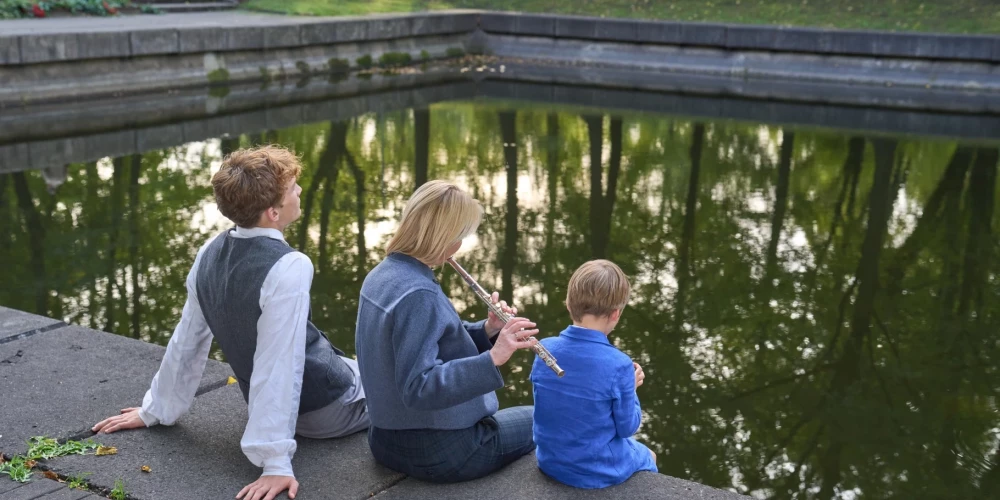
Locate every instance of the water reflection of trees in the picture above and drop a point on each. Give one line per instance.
(813, 310)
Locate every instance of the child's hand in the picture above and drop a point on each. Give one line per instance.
(639, 375)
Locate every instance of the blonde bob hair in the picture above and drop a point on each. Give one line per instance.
(438, 215)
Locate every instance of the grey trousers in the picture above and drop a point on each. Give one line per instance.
(345, 416)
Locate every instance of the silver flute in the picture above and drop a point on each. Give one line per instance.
(539, 349)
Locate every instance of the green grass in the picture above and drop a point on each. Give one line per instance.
(118, 492)
(78, 482)
(949, 16)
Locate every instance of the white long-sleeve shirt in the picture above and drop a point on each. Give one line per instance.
(279, 360)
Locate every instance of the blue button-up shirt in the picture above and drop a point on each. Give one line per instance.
(585, 420)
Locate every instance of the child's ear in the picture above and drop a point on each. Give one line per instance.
(615, 314)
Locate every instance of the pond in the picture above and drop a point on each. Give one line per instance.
(817, 311)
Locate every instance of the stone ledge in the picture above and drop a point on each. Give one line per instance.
(217, 32)
(749, 37)
(255, 32)
(522, 479)
(62, 383)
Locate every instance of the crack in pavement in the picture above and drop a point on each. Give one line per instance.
(382, 488)
(29, 333)
(211, 386)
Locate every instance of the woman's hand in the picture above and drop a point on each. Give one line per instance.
(513, 336)
(493, 323)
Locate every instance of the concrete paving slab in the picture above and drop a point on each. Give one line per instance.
(282, 36)
(148, 42)
(246, 38)
(429, 23)
(35, 489)
(200, 457)
(50, 47)
(7, 485)
(103, 45)
(204, 40)
(10, 50)
(14, 323)
(134, 23)
(384, 28)
(523, 480)
(14, 157)
(61, 382)
(65, 493)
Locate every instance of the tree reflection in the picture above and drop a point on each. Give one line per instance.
(815, 311)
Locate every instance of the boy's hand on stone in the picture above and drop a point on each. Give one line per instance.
(639, 375)
(493, 323)
(513, 336)
(128, 419)
(268, 487)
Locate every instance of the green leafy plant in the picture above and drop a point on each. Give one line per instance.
(365, 61)
(340, 65)
(18, 468)
(44, 448)
(10, 9)
(395, 59)
(118, 492)
(78, 482)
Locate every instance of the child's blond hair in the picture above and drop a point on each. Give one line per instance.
(598, 287)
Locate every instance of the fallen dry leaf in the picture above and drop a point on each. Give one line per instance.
(51, 475)
(231, 381)
(30, 464)
(145, 468)
(106, 450)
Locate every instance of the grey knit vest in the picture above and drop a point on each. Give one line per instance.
(230, 275)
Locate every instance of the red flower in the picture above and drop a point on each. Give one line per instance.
(37, 11)
(110, 9)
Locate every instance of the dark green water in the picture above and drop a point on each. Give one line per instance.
(817, 312)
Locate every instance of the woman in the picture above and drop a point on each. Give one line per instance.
(429, 376)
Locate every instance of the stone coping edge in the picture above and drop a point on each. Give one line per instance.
(25, 49)
(749, 37)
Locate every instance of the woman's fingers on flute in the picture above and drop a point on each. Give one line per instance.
(524, 334)
(517, 324)
(504, 306)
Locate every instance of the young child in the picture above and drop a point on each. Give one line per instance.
(584, 421)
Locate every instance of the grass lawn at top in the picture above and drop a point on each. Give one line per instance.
(947, 16)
